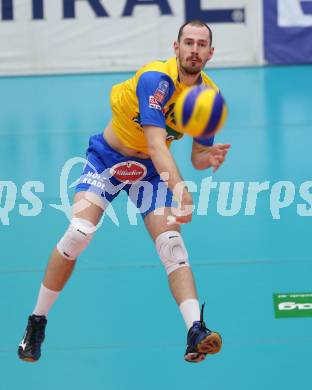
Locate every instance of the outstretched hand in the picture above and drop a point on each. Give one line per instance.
(216, 154)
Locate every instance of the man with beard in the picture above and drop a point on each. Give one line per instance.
(135, 146)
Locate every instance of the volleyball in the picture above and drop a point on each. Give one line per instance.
(200, 111)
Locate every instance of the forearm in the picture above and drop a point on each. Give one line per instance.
(166, 166)
(167, 169)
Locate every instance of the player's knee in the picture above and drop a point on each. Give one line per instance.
(172, 251)
(76, 238)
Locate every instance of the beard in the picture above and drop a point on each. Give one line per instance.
(190, 68)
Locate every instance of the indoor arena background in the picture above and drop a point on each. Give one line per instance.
(115, 325)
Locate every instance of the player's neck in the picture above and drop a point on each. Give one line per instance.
(188, 79)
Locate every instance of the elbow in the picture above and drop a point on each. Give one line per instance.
(152, 150)
(156, 147)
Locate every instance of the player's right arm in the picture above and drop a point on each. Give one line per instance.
(153, 90)
(167, 168)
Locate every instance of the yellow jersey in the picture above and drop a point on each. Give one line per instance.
(148, 99)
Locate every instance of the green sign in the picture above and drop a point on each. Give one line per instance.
(292, 305)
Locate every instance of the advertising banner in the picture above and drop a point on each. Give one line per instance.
(287, 31)
(292, 305)
(74, 36)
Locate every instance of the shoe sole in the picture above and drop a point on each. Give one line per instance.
(194, 357)
(29, 360)
(210, 345)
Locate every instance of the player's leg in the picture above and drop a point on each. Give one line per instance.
(86, 215)
(154, 200)
(173, 254)
(89, 203)
(181, 280)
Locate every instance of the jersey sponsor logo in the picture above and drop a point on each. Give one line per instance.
(161, 91)
(137, 120)
(169, 113)
(128, 171)
(153, 103)
(172, 134)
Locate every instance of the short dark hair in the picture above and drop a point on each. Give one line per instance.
(195, 22)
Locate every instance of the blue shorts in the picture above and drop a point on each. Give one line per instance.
(108, 172)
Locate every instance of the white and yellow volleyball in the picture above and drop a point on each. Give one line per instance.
(200, 111)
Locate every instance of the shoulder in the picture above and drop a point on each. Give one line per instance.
(166, 68)
(208, 81)
(157, 79)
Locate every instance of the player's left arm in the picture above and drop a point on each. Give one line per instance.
(204, 156)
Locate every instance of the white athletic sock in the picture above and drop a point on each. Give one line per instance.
(45, 300)
(190, 311)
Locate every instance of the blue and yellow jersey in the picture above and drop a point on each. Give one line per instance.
(148, 98)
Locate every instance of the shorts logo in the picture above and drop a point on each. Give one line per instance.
(153, 103)
(128, 171)
(161, 91)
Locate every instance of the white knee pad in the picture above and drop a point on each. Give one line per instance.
(172, 251)
(76, 238)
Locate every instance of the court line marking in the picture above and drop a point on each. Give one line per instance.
(112, 267)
